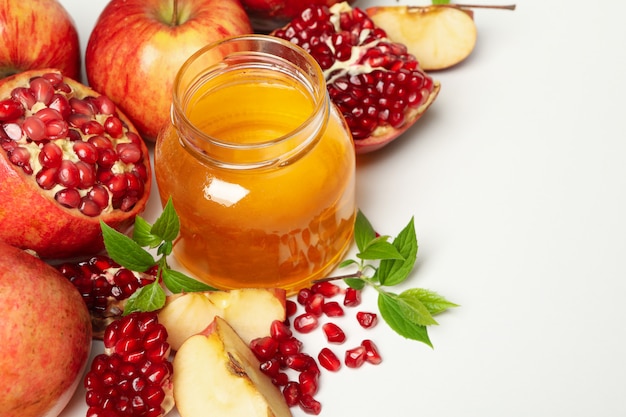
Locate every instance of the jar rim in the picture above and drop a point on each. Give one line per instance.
(265, 44)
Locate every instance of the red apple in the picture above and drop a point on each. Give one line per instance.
(37, 34)
(267, 15)
(137, 47)
(46, 336)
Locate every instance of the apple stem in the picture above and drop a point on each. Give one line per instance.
(483, 6)
(175, 13)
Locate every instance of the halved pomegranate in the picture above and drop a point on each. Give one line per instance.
(377, 85)
(69, 159)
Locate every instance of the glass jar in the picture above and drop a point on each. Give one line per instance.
(260, 167)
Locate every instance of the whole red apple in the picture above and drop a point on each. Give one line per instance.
(267, 15)
(45, 333)
(37, 34)
(137, 47)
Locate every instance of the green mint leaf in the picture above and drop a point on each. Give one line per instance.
(436, 2)
(414, 310)
(167, 225)
(363, 231)
(166, 248)
(347, 262)
(393, 312)
(434, 302)
(142, 234)
(178, 282)
(124, 250)
(148, 298)
(356, 283)
(379, 248)
(393, 271)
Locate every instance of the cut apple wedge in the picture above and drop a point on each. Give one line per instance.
(216, 374)
(438, 36)
(249, 311)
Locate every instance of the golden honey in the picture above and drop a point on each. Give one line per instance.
(259, 165)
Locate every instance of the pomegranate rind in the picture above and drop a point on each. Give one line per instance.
(35, 221)
(45, 333)
(267, 15)
(386, 134)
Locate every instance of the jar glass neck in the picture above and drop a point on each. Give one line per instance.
(243, 79)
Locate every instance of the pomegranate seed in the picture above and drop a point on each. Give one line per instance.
(24, 96)
(42, 90)
(129, 153)
(333, 333)
(270, 367)
(352, 297)
(68, 174)
(291, 392)
(61, 104)
(34, 128)
(298, 362)
(10, 109)
(86, 151)
(68, 197)
(326, 288)
(332, 309)
(328, 360)
(281, 379)
(48, 115)
(291, 308)
(355, 357)
(305, 323)
(46, 178)
(304, 295)
(309, 382)
(92, 127)
(310, 405)
(290, 346)
(371, 352)
(367, 320)
(264, 348)
(57, 129)
(279, 331)
(114, 127)
(314, 305)
(82, 107)
(51, 155)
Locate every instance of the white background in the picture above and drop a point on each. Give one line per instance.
(517, 180)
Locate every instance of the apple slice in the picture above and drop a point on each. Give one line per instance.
(216, 373)
(249, 311)
(438, 36)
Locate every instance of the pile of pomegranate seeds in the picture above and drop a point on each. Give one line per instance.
(105, 286)
(376, 84)
(282, 355)
(133, 377)
(78, 149)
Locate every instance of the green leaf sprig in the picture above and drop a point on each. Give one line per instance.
(129, 252)
(409, 313)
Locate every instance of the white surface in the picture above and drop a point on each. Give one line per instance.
(517, 180)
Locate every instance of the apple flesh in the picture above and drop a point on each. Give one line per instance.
(137, 46)
(216, 373)
(45, 334)
(438, 36)
(38, 34)
(250, 311)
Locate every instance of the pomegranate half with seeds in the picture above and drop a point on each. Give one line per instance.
(69, 158)
(377, 85)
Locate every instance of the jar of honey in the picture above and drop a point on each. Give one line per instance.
(259, 165)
